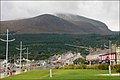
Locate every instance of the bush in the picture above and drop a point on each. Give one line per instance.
(83, 66)
(103, 66)
(116, 68)
(90, 67)
(74, 67)
(69, 67)
(14, 71)
(78, 67)
(23, 68)
(65, 67)
(57, 67)
(60, 67)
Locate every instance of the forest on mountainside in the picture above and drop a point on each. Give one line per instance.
(42, 46)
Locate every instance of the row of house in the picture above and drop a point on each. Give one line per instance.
(105, 56)
(65, 59)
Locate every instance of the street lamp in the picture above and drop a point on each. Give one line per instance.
(50, 67)
(20, 49)
(50, 72)
(27, 58)
(110, 58)
(7, 40)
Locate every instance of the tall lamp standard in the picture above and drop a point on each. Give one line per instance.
(110, 58)
(20, 49)
(50, 68)
(7, 41)
(27, 58)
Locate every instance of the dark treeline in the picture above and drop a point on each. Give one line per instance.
(42, 46)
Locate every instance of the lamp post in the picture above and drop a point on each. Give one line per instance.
(7, 41)
(50, 69)
(20, 49)
(27, 58)
(50, 72)
(110, 58)
(14, 59)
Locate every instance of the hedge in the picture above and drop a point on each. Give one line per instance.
(115, 68)
(103, 66)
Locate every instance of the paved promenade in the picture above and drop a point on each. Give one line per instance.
(2, 75)
(116, 74)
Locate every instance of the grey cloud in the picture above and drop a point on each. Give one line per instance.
(105, 11)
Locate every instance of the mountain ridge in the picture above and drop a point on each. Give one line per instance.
(71, 18)
(48, 23)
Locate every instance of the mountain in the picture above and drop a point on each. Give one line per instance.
(80, 20)
(72, 24)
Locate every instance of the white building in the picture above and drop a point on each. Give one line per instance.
(118, 55)
(68, 58)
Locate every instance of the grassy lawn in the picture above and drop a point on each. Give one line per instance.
(61, 74)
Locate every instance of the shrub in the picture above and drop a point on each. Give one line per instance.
(78, 67)
(90, 67)
(83, 66)
(65, 67)
(57, 67)
(75, 67)
(103, 66)
(14, 71)
(70, 67)
(61, 67)
(23, 68)
(116, 68)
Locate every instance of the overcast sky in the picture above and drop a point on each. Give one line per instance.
(105, 11)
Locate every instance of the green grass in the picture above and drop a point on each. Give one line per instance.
(61, 74)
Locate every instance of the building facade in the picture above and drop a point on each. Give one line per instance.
(106, 55)
(106, 58)
(118, 55)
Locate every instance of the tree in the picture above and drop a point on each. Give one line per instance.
(79, 61)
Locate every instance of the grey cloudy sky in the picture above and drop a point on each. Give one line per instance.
(105, 11)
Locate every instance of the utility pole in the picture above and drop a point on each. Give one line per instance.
(27, 58)
(50, 72)
(50, 68)
(110, 58)
(20, 49)
(7, 41)
(14, 59)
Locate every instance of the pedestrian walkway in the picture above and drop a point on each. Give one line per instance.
(117, 74)
(2, 75)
